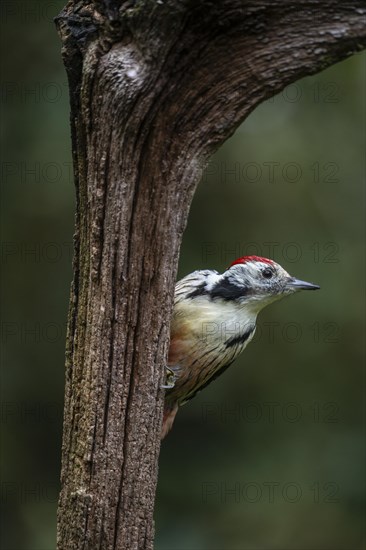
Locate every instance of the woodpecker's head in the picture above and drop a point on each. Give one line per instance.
(257, 281)
(251, 282)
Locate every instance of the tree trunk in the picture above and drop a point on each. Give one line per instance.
(155, 88)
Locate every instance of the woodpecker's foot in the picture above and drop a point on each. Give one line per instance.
(170, 379)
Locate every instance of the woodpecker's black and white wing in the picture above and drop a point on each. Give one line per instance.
(195, 284)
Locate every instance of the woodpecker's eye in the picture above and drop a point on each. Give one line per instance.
(267, 273)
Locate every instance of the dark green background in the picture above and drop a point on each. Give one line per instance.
(271, 456)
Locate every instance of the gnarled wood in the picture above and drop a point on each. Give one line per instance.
(155, 88)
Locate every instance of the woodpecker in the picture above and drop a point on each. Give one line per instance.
(214, 319)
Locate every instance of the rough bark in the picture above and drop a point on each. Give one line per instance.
(155, 88)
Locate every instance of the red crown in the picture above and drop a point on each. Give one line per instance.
(245, 259)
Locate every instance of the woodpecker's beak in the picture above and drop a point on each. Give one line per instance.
(296, 284)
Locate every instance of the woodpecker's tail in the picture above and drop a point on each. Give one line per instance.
(169, 414)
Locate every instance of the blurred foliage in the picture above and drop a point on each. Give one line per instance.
(271, 456)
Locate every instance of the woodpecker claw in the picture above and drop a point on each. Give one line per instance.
(170, 379)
